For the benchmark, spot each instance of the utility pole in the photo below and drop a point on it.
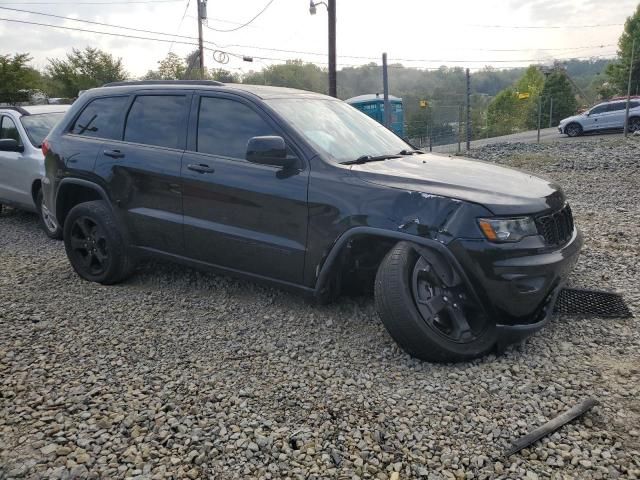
(539, 115)
(626, 115)
(385, 89)
(468, 110)
(333, 85)
(551, 112)
(202, 15)
(459, 128)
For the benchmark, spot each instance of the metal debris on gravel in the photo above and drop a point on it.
(181, 374)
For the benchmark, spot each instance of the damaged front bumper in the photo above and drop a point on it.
(518, 284)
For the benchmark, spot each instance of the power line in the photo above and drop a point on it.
(180, 24)
(546, 26)
(97, 23)
(358, 57)
(91, 3)
(244, 24)
(239, 55)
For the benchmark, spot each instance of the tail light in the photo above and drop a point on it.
(45, 147)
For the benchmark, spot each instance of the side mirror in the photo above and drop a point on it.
(268, 150)
(10, 145)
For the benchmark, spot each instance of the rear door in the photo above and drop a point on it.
(240, 215)
(142, 169)
(13, 185)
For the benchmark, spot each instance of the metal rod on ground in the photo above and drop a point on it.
(539, 115)
(385, 88)
(459, 128)
(468, 110)
(551, 112)
(333, 85)
(626, 115)
(202, 14)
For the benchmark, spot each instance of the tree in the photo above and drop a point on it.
(558, 87)
(618, 72)
(84, 69)
(294, 74)
(171, 67)
(503, 113)
(17, 79)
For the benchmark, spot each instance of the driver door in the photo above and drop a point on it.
(596, 119)
(14, 167)
(240, 215)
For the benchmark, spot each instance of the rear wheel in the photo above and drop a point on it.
(573, 130)
(47, 222)
(428, 318)
(95, 244)
(634, 124)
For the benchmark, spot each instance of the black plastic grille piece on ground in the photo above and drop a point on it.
(557, 227)
(577, 301)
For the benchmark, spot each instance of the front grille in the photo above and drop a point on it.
(557, 227)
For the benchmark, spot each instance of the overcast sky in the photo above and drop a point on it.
(452, 32)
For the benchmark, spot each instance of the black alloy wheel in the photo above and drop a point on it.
(89, 246)
(445, 309)
(634, 125)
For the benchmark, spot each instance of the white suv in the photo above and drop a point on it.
(605, 116)
(22, 130)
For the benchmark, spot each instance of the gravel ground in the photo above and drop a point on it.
(181, 374)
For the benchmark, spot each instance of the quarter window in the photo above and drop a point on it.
(225, 127)
(8, 130)
(102, 118)
(157, 120)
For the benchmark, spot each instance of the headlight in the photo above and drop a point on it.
(507, 229)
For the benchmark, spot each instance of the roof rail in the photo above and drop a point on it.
(210, 83)
(16, 108)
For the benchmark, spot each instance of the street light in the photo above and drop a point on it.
(331, 9)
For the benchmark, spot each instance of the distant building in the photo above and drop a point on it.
(373, 105)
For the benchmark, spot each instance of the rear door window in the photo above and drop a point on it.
(102, 118)
(158, 120)
(225, 127)
(618, 106)
(8, 130)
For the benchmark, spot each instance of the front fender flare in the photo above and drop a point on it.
(434, 251)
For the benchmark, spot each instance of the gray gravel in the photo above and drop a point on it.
(181, 374)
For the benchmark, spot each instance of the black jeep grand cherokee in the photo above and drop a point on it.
(306, 192)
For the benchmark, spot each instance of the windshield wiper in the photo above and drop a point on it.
(409, 152)
(369, 158)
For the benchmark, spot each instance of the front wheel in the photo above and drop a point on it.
(95, 244)
(634, 124)
(427, 318)
(47, 222)
(573, 130)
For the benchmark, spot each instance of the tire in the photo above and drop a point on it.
(95, 245)
(50, 227)
(573, 130)
(401, 316)
(634, 125)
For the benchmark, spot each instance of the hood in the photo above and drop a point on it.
(504, 191)
(571, 119)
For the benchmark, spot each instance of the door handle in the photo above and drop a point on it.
(113, 153)
(200, 168)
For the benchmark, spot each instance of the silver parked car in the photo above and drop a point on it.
(604, 116)
(22, 130)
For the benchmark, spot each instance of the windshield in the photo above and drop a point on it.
(337, 129)
(38, 126)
